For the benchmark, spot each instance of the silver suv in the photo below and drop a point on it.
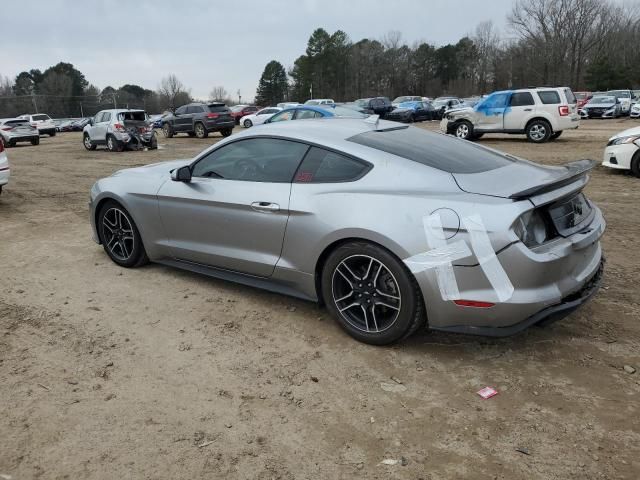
(119, 129)
(540, 113)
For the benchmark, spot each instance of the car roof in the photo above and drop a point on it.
(314, 108)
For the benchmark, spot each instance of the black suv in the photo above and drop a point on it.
(198, 120)
(378, 105)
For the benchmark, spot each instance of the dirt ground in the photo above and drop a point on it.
(157, 373)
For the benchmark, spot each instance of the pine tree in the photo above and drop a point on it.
(273, 85)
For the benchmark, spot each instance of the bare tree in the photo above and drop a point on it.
(219, 94)
(487, 42)
(172, 92)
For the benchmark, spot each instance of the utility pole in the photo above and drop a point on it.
(115, 105)
(239, 97)
(81, 111)
(35, 103)
(311, 91)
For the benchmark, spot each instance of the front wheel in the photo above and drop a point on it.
(120, 237)
(167, 130)
(538, 131)
(464, 130)
(88, 144)
(635, 165)
(226, 132)
(35, 141)
(52, 133)
(248, 124)
(371, 294)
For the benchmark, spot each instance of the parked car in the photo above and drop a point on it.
(582, 98)
(239, 111)
(625, 97)
(199, 120)
(15, 130)
(79, 125)
(42, 122)
(635, 110)
(5, 171)
(66, 125)
(288, 104)
(470, 101)
(410, 112)
(602, 106)
(542, 114)
(443, 104)
(623, 151)
(323, 197)
(320, 101)
(156, 120)
(375, 106)
(119, 129)
(259, 117)
(405, 98)
(306, 112)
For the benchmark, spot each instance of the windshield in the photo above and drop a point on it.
(363, 102)
(402, 99)
(581, 95)
(620, 93)
(407, 105)
(603, 100)
(443, 152)
(237, 108)
(37, 118)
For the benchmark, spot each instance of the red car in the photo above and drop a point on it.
(582, 98)
(240, 111)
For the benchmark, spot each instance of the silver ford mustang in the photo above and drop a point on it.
(391, 227)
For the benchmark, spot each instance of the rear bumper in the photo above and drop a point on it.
(215, 126)
(4, 176)
(544, 317)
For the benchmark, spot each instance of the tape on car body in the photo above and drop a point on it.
(440, 257)
(487, 258)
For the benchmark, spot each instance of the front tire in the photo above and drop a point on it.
(52, 133)
(635, 165)
(464, 130)
(88, 144)
(226, 132)
(538, 131)
(371, 294)
(167, 130)
(120, 237)
(248, 124)
(35, 141)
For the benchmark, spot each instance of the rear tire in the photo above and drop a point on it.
(371, 294)
(113, 145)
(226, 132)
(153, 144)
(52, 134)
(538, 131)
(167, 130)
(35, 141)
(635, 165)
(201, 130)
(120, 237)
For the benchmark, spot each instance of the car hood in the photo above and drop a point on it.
(522, 179)
(401, 110)
(154, 169)
(627, 133)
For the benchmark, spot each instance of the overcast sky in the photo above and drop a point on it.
(209, 43)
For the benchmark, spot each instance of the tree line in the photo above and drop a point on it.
(584, 44)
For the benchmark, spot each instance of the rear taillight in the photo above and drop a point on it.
(532, 229)
(6, 129)
(563, 110)
(1, 146)
(34, 124)
(118, 126)
(212, 115)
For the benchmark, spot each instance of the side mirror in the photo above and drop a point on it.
(90, 121)
(182, 174)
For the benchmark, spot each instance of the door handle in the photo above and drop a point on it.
(528, 109)
(265, 206)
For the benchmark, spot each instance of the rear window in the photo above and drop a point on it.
(37, 118)
(435, 150)
(549, 97)
(571, 98)
(139, 116)
(218, 108)
(16, 122)
(339, 111)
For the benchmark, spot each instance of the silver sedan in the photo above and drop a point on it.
(391, 227)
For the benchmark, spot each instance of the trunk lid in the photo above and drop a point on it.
(526, 180)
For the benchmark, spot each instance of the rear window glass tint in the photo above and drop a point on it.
(40, 117)
(549, 97)
(521, 99)
(435, 150)
(571, 98)
(139, 116)
(324, 166)
(16, 122)
(218, 108)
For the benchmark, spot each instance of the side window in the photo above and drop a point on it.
(498, 100)
(98, 117)
(306, 114)
(521, 99)
(323, 166)
(106, 117)
(253, 160)
(283, 116)
(181, 111)
(549, 97)
(195, 109)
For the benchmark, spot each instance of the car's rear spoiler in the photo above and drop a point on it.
(575, 170)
